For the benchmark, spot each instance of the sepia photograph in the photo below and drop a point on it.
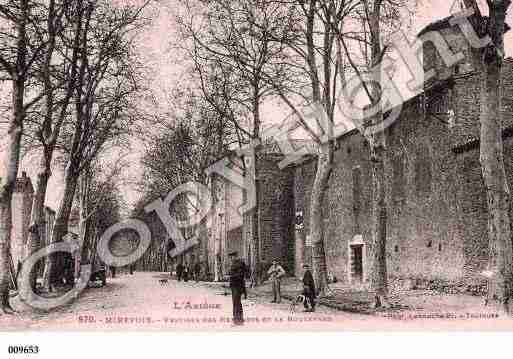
(254, 166)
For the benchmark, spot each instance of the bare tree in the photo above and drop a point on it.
(232, 42)
(192, 137)
(373, 21)
(488, 62)
(17, 55)
(97, 184)
(63, 26)
(105, 98)
(311, 49)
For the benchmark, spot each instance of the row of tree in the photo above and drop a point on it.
(244, 54)
(74, 80)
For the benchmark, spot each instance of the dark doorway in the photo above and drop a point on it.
(357, 263)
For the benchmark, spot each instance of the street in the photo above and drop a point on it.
(141, 302)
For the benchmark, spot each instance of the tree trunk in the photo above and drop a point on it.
(379, 281)
(55, 261)
(256, 235)
(12, 164)
(497, 190)
(488, 62)
(379, 273)
(12, 159)
(38, 220)
(324, 162)
(316, 218)
(5, 241)
(84, 238)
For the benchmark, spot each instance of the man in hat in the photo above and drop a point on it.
(197, 271)
(308, 288)
(275, 273)
(179, 271)
(237, 285)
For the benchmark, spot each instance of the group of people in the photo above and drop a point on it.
(239, 271)
(276, 272)
(185, 272)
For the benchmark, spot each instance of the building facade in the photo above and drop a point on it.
(21, 209)
(23, 196)
(436, 202)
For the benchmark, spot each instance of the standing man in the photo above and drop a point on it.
(237, 285)
(275, 273)
(179, 271)
(186, 272)
(308, 288)
(197, 271)
(246, 275)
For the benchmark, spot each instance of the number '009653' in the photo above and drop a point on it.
(23, 349)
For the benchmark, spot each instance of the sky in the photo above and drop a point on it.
(156, 50)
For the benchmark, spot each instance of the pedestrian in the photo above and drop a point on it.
(186, 272)
(246, 275)
(197, 271)
(237, 285)
(69, 269)
(276, 272)
(179, 271)
(308, 289)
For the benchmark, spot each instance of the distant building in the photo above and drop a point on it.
(224, 224)
(21, 211)
(23, 196)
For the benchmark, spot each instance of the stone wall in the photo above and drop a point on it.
(276, 212)
(436, 204)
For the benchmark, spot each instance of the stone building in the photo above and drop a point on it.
(231, 227)
(21, 216)
(224, 224)
(21, 210)
(272, 224)
(436, 203)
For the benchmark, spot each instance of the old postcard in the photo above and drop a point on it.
(244, 165)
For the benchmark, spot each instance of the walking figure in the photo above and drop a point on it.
(197, 271)
(308, 289)
(237, 286)
(186, 273)
(179, 271)
(276, 272)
